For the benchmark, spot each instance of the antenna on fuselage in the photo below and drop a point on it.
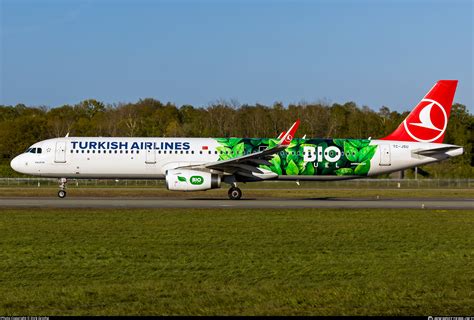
(67, 135)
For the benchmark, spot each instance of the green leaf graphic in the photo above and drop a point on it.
(276, 165)
(355, 143)
(226, 153)
(256, 142)
(248, 148)
(238, 149)
(366, 153)
(276, 160)
(273, 142)
(339, 142)
(234, 141)
(291, 168)
(301, 165)
(341, 163)
(182, 179)
(344, 172)
(309, 170)
(222, 140)
(292, 157)
(350, 152)
(293, 143)
(327, 167)
(323, 145)
(362, 168)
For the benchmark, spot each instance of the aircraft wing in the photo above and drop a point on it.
(247, 165)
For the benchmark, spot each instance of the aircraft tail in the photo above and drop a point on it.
(429, 119)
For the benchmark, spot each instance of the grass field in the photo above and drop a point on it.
(242, 262)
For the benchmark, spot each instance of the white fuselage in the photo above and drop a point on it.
(150, 158)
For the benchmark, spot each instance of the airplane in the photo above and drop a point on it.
(198, 164)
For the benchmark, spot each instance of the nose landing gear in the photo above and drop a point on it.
(62, 187)
(234, 193)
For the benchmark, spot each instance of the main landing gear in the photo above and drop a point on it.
(62, 187)
(234, 193)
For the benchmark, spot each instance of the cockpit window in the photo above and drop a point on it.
(34, 150)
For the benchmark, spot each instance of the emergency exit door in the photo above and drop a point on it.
(60, 153)
(385, 155)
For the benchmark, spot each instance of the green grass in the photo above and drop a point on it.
(240, 262)
(299, 193)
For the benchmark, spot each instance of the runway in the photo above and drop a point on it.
(166, 202)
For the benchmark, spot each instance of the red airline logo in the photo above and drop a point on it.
(429, 124)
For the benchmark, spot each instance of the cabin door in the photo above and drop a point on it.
(385, 155)
(150, 156)
(60, 153)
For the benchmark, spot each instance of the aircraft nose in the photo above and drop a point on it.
(16, 164)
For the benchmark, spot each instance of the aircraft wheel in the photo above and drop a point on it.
(234, 193)
(62, 194)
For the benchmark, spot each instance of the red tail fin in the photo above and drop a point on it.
(428, 121)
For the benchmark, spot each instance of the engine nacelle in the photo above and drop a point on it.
(191, 180)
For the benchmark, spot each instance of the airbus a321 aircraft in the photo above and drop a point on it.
(196, 164)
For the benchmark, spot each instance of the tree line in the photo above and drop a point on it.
(21, 125)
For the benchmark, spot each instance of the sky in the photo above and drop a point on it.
(375, 53)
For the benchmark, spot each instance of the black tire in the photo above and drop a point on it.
(234, 193)
(62, 194)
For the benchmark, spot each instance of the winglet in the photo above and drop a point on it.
(281, 135)
(288, 136)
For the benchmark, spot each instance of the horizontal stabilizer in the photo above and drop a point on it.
(430, 152)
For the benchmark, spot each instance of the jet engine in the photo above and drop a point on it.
(191, 180)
